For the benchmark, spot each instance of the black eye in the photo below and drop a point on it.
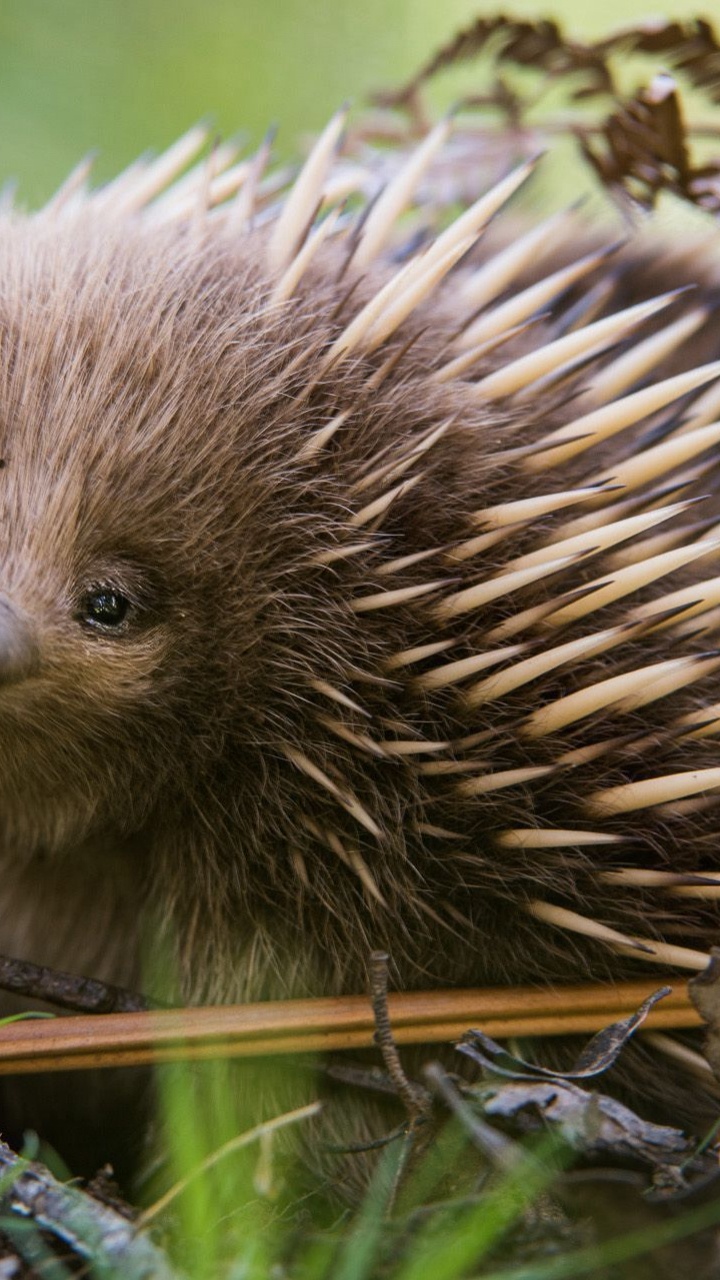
(104, 607)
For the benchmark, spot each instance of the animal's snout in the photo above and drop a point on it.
(19, 652)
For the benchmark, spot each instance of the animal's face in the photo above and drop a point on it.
(168, 608)
(87, 638)
(114, 577)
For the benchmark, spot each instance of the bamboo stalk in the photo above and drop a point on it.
(313, 1026)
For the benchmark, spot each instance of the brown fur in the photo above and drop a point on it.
(153, 409)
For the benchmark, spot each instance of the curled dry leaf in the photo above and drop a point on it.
(598, 1126)
(598, 1055)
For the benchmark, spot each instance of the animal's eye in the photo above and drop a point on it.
(104, 607)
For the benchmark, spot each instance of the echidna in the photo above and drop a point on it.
(353, 595)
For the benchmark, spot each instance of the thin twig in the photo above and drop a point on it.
(317, 1026)
(416, 1098)
(68, 990)
(30, 1193)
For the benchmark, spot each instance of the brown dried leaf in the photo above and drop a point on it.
(598, 1055)
(541, 45)
(638, 149)
(645, 150)
(690, 48)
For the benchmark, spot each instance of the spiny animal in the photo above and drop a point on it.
(353, 595)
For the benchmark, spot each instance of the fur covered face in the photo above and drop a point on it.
(168, 601)
(128, 637)
(178, 645)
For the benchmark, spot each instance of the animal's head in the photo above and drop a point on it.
(179, 565)
(142, 466)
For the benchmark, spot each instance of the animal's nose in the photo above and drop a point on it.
(19, 655)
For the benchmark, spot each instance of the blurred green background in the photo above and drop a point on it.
(122, 76)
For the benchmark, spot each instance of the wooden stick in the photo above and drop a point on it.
(313, 1026)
